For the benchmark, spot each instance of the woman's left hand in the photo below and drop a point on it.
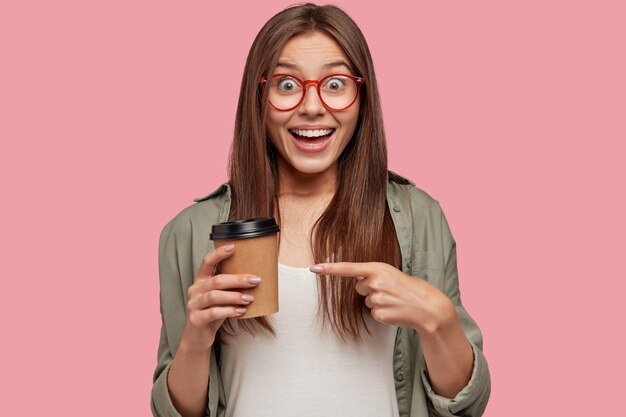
(394, 297)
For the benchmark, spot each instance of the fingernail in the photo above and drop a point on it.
(229, 248)
(316, 268)
(247, 297)
(240, 310)
(254, 280)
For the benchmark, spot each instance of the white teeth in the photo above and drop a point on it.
(312, 145)
(312, 133)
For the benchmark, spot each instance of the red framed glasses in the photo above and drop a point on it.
(336, 91)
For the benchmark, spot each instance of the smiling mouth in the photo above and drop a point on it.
(312, 138)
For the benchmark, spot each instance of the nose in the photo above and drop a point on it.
(311, 103)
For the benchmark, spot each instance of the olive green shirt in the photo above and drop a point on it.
(428, 252)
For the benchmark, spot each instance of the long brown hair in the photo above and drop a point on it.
(356, 226)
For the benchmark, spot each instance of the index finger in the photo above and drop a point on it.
(345, 269)
(211, 259)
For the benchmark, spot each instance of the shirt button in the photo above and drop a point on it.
(400, 377)
(396, 209)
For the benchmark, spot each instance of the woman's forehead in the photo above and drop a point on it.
(312, 52)
(339, 64)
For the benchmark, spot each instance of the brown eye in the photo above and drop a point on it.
(335, 84)
(287, 85)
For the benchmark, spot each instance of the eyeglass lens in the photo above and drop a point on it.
(337, 91)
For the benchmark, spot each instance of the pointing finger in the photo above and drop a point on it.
(345, 269)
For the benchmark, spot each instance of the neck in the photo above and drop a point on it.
(298, 184)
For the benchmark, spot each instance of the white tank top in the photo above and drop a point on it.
(304, 372)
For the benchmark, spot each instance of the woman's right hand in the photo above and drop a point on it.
(211, 300)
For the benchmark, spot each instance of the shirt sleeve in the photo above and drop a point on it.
(176, 274)
(171, 300)
(161, 403)
(472, 400)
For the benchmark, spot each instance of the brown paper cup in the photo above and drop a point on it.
(256, 255)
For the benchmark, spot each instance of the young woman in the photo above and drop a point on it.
(370, 321)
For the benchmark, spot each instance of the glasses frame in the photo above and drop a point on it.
(317, 83)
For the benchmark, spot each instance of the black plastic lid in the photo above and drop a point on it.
(243, 229)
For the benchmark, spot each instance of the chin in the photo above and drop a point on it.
(314, 167)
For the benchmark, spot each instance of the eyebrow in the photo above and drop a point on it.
(326, 66)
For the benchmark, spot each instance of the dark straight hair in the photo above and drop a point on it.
(356, 226)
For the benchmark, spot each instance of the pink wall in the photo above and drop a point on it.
(114, 116)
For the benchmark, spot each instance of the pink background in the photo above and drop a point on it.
(115, 115)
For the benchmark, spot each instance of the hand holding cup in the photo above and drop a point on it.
(213, 298)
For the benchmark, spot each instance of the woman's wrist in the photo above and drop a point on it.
(191, 347)
(441, 319)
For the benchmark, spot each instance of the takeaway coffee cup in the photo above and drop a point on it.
(256, 253)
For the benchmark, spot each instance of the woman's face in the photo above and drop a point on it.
(305, 56)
